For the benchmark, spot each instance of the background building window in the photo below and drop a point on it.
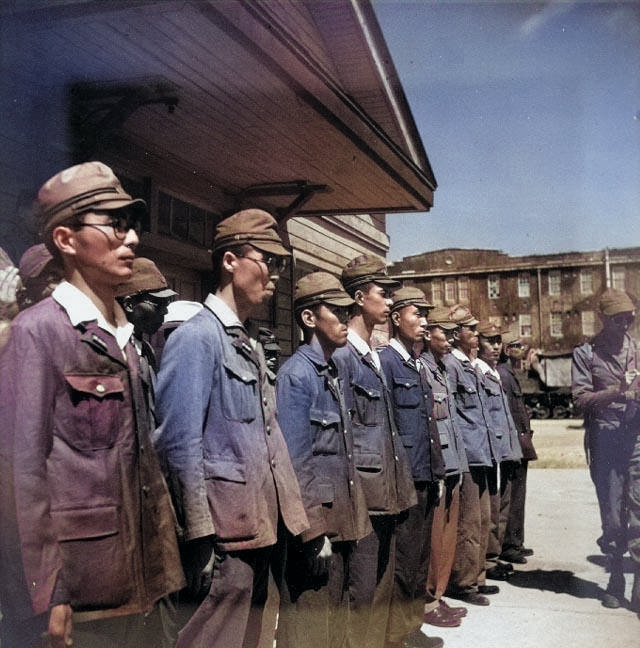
(524, 289)
(524, 324)
(436, 292)
(493, 286)
(184, 221)
(450, 291)
(586, 282)
(554, 282)
(588, 323)
(617, 278)
(463, 290)
(555, 324)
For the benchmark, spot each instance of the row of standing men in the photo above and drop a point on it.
(381, 480)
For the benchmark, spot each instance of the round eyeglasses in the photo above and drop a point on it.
(121, 222)
(275, 264)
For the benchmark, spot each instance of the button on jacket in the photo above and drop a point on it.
(380, 456)
(470, 414)
(500, 422)
(512, 389)
(218, 439)
(412, 403)
(85, 515)
(316, 426)
(444, 412)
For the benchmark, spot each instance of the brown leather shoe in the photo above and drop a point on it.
(441, 619)
(452, 610)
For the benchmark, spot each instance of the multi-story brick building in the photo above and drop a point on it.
(552, 299)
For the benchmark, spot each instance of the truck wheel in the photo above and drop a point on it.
(560, 412)
(541, 412)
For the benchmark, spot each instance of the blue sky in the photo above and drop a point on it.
(530, 116)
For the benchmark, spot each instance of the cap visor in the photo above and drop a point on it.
(272, 247)
(165, 293)
(387, 283)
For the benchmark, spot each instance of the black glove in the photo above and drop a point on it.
(198, 559)
(317, 553)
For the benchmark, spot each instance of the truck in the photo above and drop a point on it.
(545, 378)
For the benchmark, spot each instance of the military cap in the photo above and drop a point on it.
(34, 261)
(510, 336)
(488, 329)
(613, 302)
(319, 288)
(409, 296)
(439, 316)
(364, 269)
(255, 227)
(462, 316)
(268, 339)
(80, 188)
(145, 277)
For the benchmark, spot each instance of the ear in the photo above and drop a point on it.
(64, 238)
(308, 318)
(456, 334)
(358, 297)
(229, 261)
(395, 318)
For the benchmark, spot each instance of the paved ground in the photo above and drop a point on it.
(554, 600)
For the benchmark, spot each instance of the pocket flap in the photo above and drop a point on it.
(370, 392)
(82, 524)
(405, 382)
(369, 461)
(238, 373)
(228, 470)
(325, 492)
(323, 418)
(99, 385)
(439, 397)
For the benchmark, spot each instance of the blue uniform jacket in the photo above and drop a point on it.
(412, 403)
(470, 415)
(226, 461)
(444, 413)
(316, 426)
(380, 457)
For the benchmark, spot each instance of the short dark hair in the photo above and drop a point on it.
(217, 256)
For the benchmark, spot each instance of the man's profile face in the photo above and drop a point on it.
(410, 324)
(438, 342)
(376, 304)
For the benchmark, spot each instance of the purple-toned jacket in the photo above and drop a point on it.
(85, 515)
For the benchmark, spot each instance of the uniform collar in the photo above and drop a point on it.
(222, 311)
(400, 348)
(82, 310)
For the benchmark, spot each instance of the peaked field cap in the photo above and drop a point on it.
(510, 336)
(34, 261)
(439, 316)
(613, 302)
(253, 226)
(145, 278)
(409, 296)
(319, 288)
(364, 269)
(78, 189)
(488, 329)
(462, 316)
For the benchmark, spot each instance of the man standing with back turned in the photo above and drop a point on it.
(220, 444)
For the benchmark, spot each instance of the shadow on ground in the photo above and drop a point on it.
(559, 581)
(603, 561)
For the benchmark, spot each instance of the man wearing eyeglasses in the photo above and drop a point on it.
(604, 386)
(88, 545)
(225, 458)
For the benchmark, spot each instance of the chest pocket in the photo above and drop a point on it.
(326, 432)
(440, 406)
(467, 396)
(494, 398)
(367, 404)
(406, 392)
(239, 394)
(97, 401)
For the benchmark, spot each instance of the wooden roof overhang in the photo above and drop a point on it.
(292, 106)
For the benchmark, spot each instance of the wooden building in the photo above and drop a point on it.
(551, 299)
(207, 106)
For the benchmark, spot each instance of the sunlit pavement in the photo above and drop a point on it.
(554, 600)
